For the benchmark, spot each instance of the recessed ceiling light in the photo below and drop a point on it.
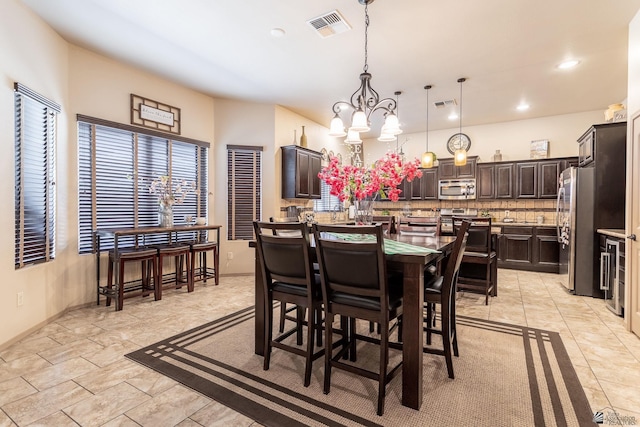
(453, 116)
(522, 107)
(278, 32)
(568, 64)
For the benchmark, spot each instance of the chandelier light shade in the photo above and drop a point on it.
(365, 101)
(353, 137)
(428, 157)
(460, 155)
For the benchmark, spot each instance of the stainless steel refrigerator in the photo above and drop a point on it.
(575, 226)
(589, 198)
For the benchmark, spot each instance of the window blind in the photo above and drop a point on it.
(327, 202)
(35, 139)
(117, 164)
(244, 191)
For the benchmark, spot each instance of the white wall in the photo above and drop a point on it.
(511, 138)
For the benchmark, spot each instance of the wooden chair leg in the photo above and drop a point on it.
(120, 285)
(216, 265)
(109, 280)
(328, 351)
(283, 313)
(159, 276)
(268, 309)
(311, 329)
(157, 281)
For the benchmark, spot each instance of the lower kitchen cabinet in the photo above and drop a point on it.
(531, 248)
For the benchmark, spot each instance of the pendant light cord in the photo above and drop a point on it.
(427, 87)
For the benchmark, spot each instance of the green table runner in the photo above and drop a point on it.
(391, 247)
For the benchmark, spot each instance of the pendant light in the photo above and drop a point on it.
(428, 157)
(460, 155)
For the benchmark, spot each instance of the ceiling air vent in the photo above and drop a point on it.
(329, 24)
(444, 104)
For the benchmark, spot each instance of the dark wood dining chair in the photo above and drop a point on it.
(354, 281)
(388, 222)
(419, 226)
(479, 269)
(441, 290)
(288, 277)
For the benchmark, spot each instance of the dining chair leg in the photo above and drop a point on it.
(352, 340)
(299, 322)
(109, 281)
(157, 282)
(328, 351)
(216, 265)
(268, 309)
(446, 341)
(311, 331)
(318, 328)
(283, 313)
(382, 376)
(120, 301)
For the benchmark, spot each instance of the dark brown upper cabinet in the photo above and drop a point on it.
(447, 170)
(300, 168)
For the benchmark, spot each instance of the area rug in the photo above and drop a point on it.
(506, 375)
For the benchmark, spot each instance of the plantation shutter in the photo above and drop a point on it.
(244, 191)
(35, 139)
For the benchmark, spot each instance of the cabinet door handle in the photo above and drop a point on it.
(631, 237)
(604, 271)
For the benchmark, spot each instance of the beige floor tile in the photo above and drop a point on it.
(70, 351)
(14, 389)
(106, 405)
(111, 353)
(151, 382)
(110, 375)
(61, 372)
(626, 398)
(45, 403)
(22, 366)
(57, 419)
(121, 421)
(217, 414)
(168, 408)
(5, 421)
(28, 348)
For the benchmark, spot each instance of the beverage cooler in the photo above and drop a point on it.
(612, 274)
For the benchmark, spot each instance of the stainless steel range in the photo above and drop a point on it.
(446, 217)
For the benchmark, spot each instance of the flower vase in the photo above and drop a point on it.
(165, 215)
(364, 212)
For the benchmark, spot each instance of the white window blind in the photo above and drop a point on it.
(35, 140)
(244, 191)
(117, 164)
(327, 202)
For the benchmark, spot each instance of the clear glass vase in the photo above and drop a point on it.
(165, 215)
(364, 212)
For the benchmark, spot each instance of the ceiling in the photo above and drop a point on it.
(508, 51)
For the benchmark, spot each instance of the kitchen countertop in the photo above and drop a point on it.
(613, 232)
(524, 224)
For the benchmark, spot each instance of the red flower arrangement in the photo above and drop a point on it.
(382, 178)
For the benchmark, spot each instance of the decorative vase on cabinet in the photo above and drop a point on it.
(165, 215)
(303, 139)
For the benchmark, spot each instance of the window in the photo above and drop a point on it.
(327, 202)
(117, 163)
(35, 132)
(244, 190)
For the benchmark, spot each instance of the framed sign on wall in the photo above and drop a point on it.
(155, 115)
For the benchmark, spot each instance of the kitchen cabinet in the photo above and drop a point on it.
(425, 187)
(300, 168)
(504, 184)
(548, 174)
(447, 170)
(585, 149)
(485, 181)
(526, 180)
(533, 248)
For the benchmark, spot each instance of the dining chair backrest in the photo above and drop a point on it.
(352, 263)
(455, 258)
(285, 232)
(479, 239)
(388, 222)
(284, 258)
(419, 226)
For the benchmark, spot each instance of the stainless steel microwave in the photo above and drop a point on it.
(457, 189)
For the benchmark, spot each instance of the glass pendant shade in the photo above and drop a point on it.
(392, 125)
(359, 122)
(428, 159)
(353, 137)
(386, 137)
(460, 157)
(337, 127)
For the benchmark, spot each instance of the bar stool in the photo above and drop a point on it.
(142, 255)
(177, 251)
(200, 249)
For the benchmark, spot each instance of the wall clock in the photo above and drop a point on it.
(458, 141)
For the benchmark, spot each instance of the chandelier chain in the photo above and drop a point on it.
(366, 37)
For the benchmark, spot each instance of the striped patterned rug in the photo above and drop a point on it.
(506, 375)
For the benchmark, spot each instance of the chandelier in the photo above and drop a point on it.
(460, 155)
(365, 101)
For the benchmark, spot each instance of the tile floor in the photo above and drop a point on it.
(73, 371)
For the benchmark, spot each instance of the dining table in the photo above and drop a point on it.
(410, 255)
(195, 232)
